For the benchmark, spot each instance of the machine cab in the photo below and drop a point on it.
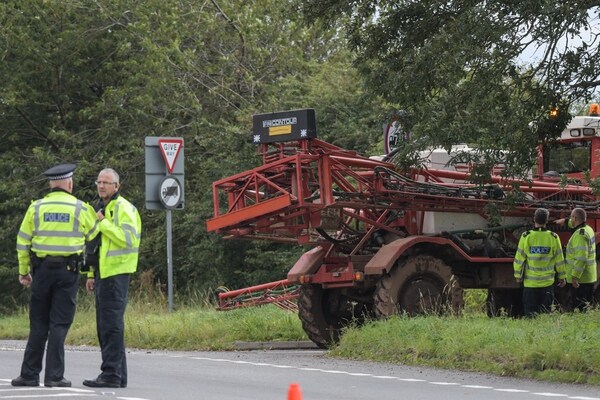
(576, 152)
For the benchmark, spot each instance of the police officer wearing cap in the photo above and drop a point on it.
(538, 259)
(50, 244)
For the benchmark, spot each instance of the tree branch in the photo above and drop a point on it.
(243, 42)
(36, 129)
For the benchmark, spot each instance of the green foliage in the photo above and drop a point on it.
(595, 185)
(349, 115)
(86, 82)
(12, 294)
(475, 301)
(464, 71)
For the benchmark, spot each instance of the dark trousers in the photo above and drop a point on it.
(111, 301)
(51, 311)
(537, 300)
(582, 296)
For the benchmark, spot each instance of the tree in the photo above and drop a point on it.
(86, 81)
(458, 69)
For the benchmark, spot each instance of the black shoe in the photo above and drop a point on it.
(62, 383)
(98, 382)
(123, 385)
(20, 381)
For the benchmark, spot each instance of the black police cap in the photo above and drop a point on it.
(58, 172)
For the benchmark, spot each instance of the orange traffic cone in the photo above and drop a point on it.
(294, 392)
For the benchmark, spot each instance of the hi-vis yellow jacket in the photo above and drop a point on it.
(121, 231)
(56, 225)
(581, 256)
(539, 257)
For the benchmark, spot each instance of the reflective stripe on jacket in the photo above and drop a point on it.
(539, 257)
(121, 233)
(58, 225)
(581, 256)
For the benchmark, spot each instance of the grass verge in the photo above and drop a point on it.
(151, 327)
(553, 347)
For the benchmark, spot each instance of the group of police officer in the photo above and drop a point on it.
(54, 237)
(540, 260)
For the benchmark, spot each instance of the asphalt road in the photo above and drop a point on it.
(268, 374)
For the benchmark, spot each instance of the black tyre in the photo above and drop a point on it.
(324, 313)
(420, 284)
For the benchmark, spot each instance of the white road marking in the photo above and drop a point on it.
(584, 398)
(78, 390)
(476, 387)
(38, 396)
(43, 388)
(130, 398)
(42, 392)
(507, 390)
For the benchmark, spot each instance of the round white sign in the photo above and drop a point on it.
(170, 192)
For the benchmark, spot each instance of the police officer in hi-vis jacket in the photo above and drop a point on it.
(538, 259)
(111, 266)
(580, 259)
(50, 245)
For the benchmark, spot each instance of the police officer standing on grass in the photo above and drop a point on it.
(111, 267)
(538, 259)
(50, 246)
(580, 259)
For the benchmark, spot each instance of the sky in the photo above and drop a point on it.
(535, 52)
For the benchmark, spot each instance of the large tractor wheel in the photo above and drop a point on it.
(420, 284)
(325, 312)
(504, 302)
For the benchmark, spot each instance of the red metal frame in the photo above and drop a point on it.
(285, 199)
(312, 192)
(281, 293)
(309, 181)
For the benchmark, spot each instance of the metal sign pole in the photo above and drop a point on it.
(165, 187)
(169, 261)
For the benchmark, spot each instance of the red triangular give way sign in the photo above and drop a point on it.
(170, 149)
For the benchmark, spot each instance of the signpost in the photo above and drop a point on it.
(395, 133)
(164, 187)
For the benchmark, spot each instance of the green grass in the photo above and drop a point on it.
(553, 347)
(151, 327)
